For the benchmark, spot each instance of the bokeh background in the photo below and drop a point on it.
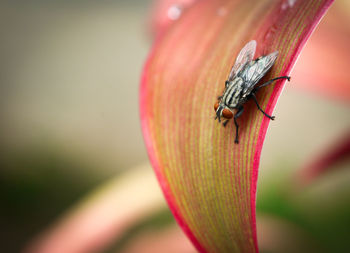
(69, 78)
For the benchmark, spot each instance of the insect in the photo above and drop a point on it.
(241, 84)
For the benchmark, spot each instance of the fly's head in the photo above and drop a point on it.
(221, 110)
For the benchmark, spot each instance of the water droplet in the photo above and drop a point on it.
(288, 4)
(291, 2)
(272, 30)
(267, 35)
(222, 11)
(174, 12)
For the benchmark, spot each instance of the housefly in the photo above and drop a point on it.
(241, 84)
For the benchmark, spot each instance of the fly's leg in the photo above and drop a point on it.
(257, 104)
(225, 123)
(238, 113)
(220, 97)
(271, 81)
(263, 85)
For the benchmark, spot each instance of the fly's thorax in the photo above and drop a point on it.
(233, 93)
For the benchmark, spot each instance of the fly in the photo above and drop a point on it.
(241, 84)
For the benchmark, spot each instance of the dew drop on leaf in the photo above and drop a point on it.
(174, 12)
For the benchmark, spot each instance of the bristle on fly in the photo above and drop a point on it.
(218, 113)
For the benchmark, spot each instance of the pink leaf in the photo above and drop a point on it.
(210, 182)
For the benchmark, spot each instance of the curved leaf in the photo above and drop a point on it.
(210, 182)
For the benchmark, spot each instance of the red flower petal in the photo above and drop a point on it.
(210, 182)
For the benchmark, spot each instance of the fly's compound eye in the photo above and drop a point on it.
(227, 114)
(216, 106)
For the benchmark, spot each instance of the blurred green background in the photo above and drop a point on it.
(69, 75)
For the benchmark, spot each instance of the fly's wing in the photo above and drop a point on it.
(256, 70)
(246, 55)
